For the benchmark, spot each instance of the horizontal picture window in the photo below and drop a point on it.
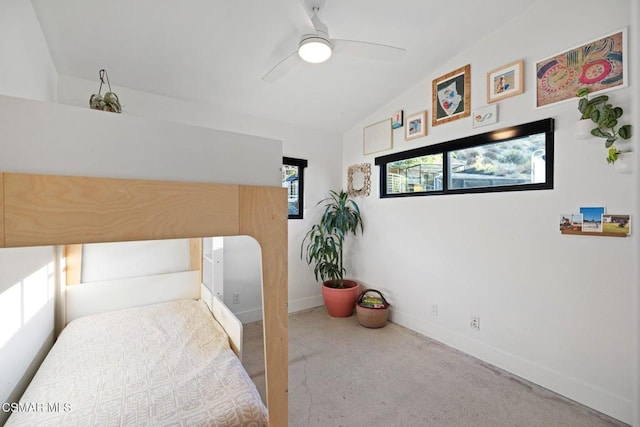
(511, 159)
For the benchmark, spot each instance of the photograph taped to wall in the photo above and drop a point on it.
(598, 65)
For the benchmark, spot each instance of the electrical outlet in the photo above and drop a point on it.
(236, 298)
(475, 323)
(434, 310)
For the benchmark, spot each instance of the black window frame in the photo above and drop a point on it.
(545, 126)
(301, 164)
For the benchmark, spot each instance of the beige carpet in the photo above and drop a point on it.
(341, 374)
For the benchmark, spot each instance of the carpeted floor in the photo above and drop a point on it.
(341, 374)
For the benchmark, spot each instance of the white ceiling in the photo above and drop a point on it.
(216, 52)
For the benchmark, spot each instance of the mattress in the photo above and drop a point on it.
(165, 364)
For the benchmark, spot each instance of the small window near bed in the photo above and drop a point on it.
(293, 181)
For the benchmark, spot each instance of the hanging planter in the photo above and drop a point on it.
(108, 102)
(603, 117)
(583, 129)
(624, 163)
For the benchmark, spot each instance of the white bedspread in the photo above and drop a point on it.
(165, 364)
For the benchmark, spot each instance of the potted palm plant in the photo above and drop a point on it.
(323, 246)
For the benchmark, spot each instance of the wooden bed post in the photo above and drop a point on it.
(195, 255)
(73, 264)
(263, 215)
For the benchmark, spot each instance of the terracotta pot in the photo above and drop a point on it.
(341, 302)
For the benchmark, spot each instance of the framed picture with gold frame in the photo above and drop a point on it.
(451, 96)
(505, 81)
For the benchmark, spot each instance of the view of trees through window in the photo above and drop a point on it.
(513, 162)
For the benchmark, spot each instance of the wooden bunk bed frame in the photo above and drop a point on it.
(43, 210)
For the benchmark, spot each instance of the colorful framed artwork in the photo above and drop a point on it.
(415, 126)
(592, 218)
(505, 82)
(451, 96)
(485, 116)
(396, 119)
(377, 137)
(598, 65)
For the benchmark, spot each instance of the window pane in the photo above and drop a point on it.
(514, 162)
(291, 181)
(416, 175)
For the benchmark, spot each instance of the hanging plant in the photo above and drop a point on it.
(606, 121)
(108, 102)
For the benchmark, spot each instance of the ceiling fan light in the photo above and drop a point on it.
(314, 50)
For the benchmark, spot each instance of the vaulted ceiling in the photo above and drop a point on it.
(216, 52)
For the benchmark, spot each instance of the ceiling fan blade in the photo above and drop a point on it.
(379, 52)
(299, 14)
(282, 67)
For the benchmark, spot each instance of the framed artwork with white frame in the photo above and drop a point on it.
(600, 65)
(486, 115)
(377, 137)
(415, 126)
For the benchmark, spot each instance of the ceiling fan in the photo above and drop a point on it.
(315, 46)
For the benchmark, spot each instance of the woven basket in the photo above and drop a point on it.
(372, 317)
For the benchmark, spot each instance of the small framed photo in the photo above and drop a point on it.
(592, 218)
(571, 222)
(377, 137)
(451, 96)
(397, 119)
(616, 224)
(505, 81)
(415, 126)
(485, 115)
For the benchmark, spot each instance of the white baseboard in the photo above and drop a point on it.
(575, 389)
(254, 315)
(305, 304)
(249, 316)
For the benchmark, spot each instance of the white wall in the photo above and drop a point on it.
(634, 39)
(120, 260)
(58, 139)
(26, 317)
(26, 295)
(243, 276)
(554, 309)
(27, 70)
